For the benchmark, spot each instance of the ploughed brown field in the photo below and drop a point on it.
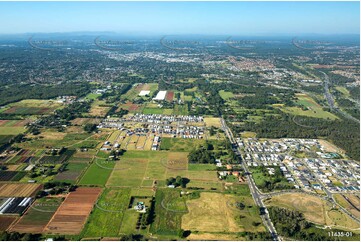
(73, 212)
(170, 96)
(18, 190)
(6, 221)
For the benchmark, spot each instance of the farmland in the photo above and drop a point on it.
(163, 144)
(12, 127)
(72, 172)
(73, 212)
(5, 222)
(176, 144)
(18, 189)
(219, 215)
(37, 216)
(97, 173)
(32, 107)
(107, 217)
(141, 168)
(167, 222)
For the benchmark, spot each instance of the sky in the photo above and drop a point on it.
(236, 18)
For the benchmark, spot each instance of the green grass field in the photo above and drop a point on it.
(313, 108)
(98, 173)
(92, 96)
(107, 216)
(135, 166)
(178, 144)
(11, 130)
(166, 222)
(343, 90)
(226, 95)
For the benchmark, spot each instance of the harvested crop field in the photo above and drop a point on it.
(74, 211)
(18, 190)
(209, 213)
(216, 122)
(6, 221)
(312, 207)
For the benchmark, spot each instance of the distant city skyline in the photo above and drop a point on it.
(218, 18)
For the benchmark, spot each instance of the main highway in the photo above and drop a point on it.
(256, 194)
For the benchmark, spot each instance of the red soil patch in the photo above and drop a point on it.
(3, 122)
(10, 110)
(21, 123)
(170, 96)
(74, 211)
(130, 106)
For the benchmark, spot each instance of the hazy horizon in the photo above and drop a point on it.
(179, 18)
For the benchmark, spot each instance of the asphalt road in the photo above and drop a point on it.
(256, 194)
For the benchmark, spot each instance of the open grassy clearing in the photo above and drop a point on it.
(179, 144)
(12, 127)
(313, 108)
(348, 203)
(152, 108)
(215, 122)
(215, 212)
(92, 96)
(226, 95)
(142, 168)
(99, 108)
(314, 209)
(343, 90)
